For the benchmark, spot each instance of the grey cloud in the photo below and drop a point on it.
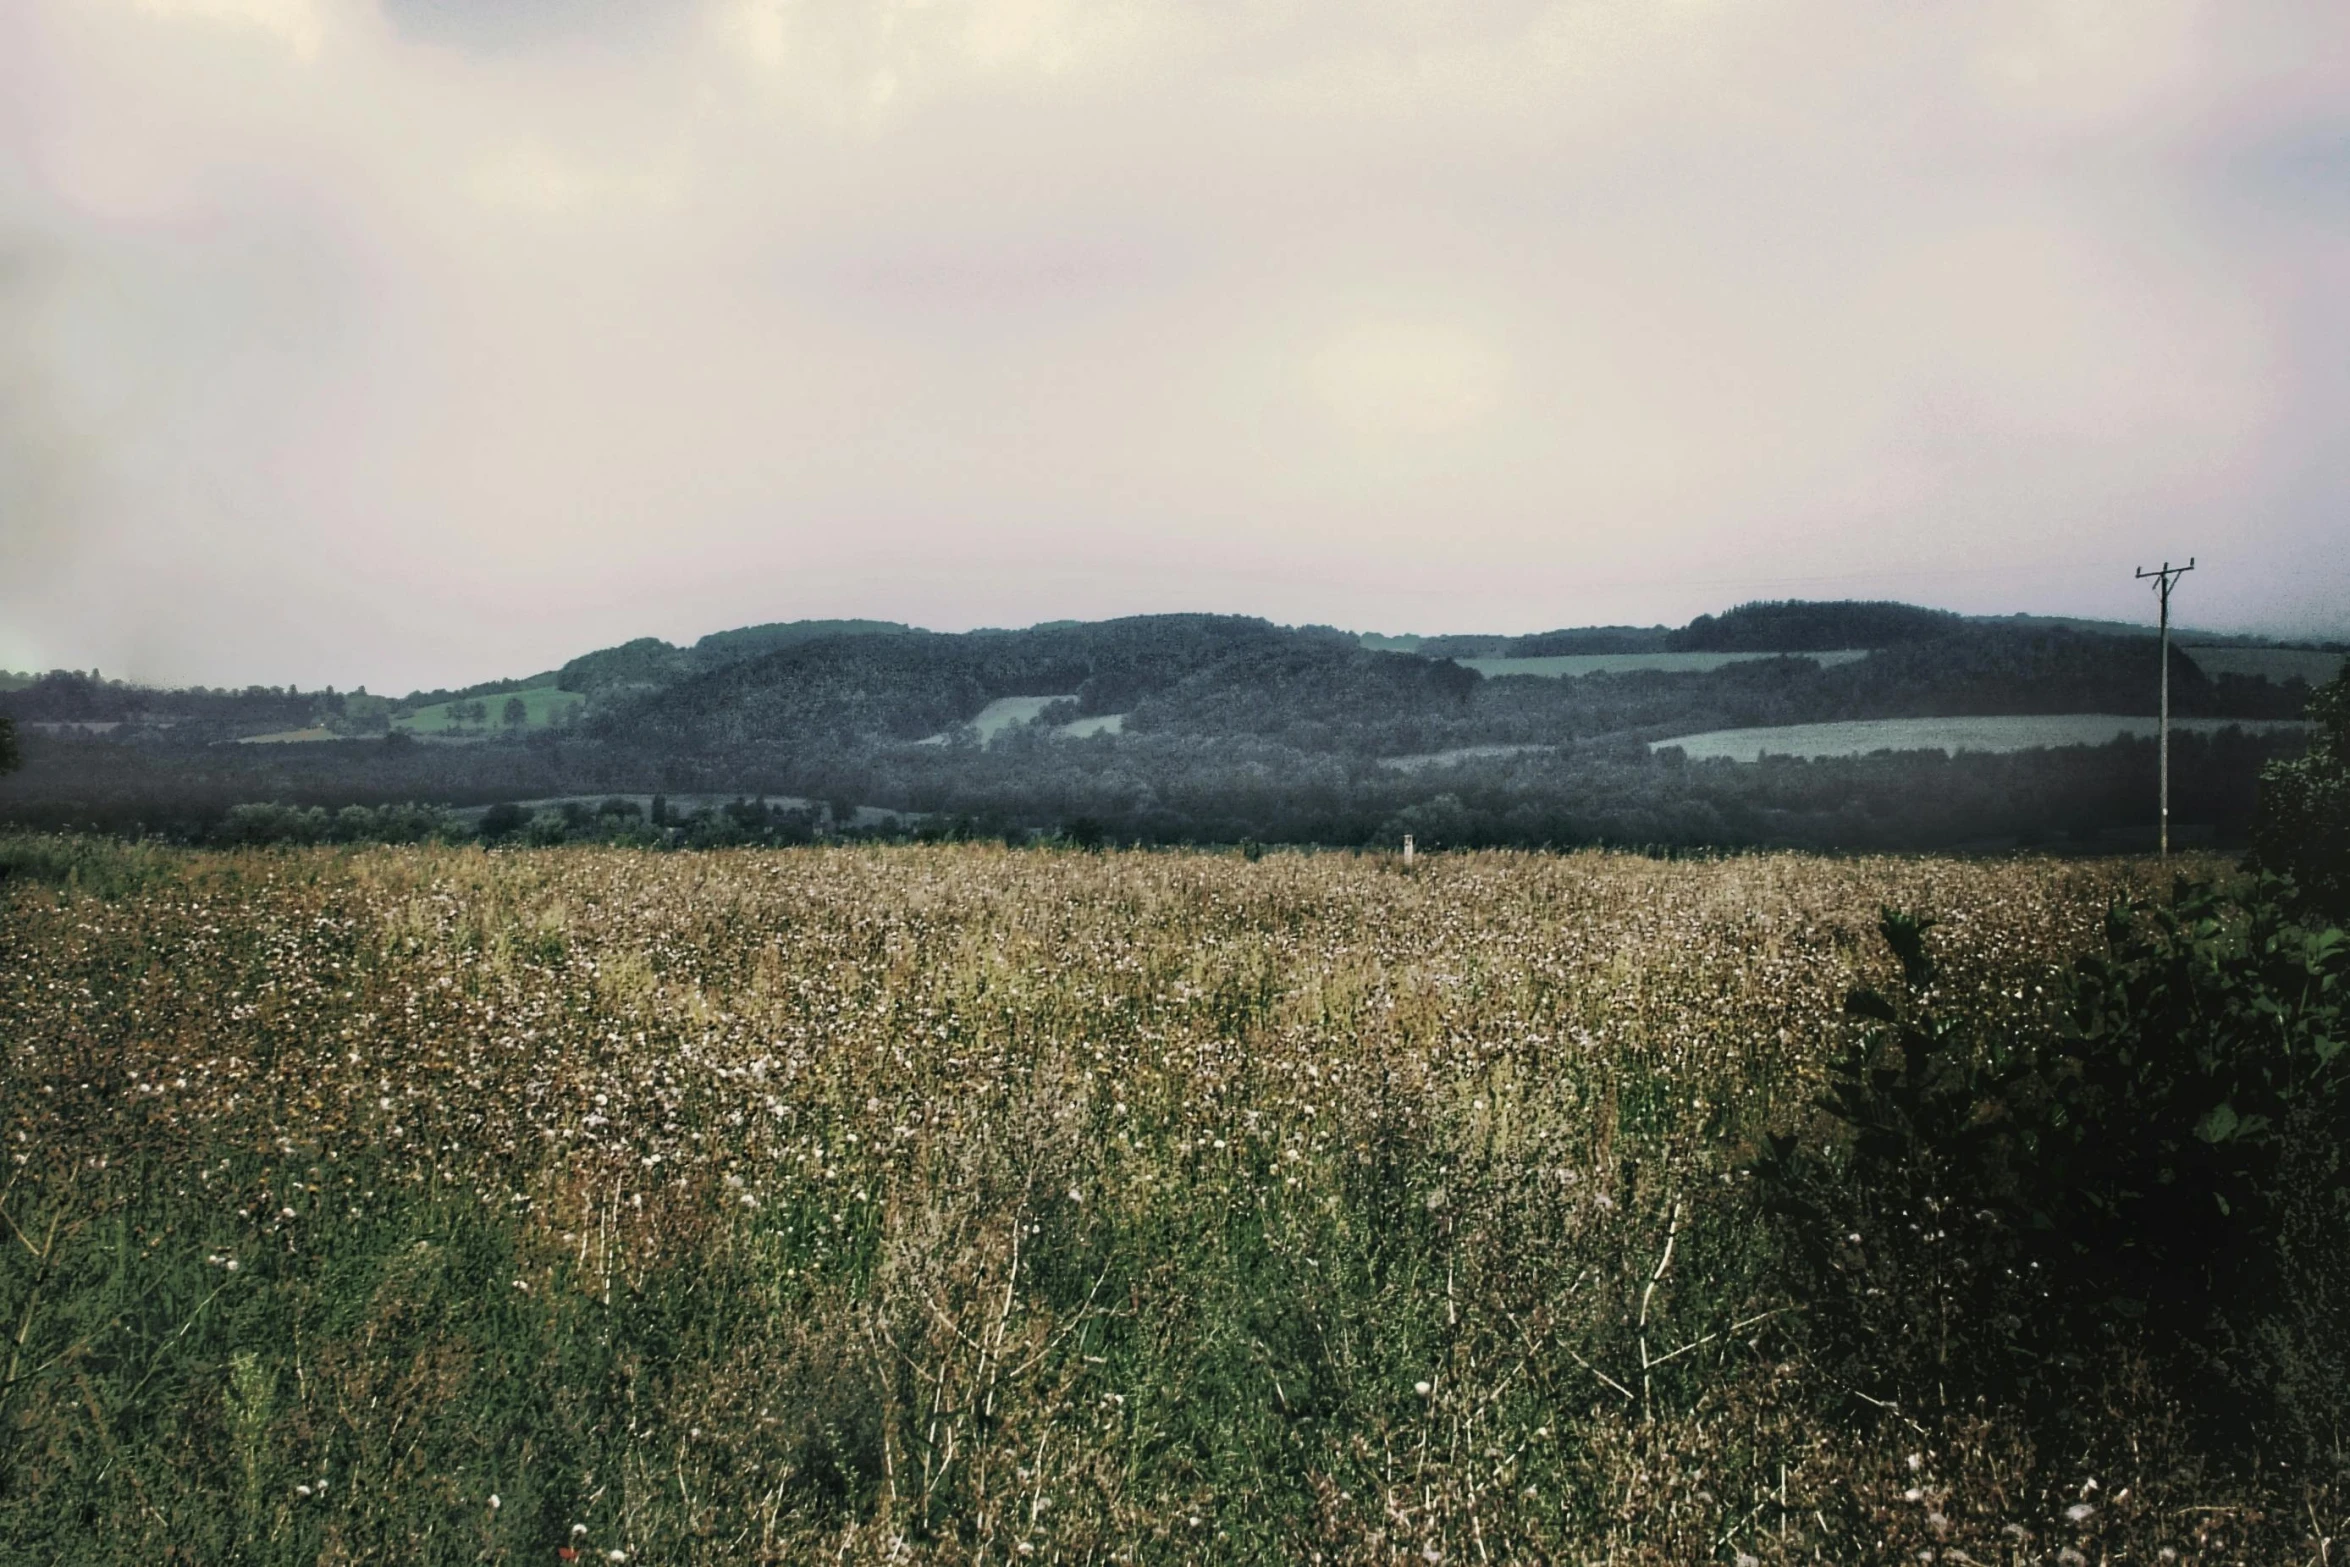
(592, 321)
(496, 26)
(41, 454)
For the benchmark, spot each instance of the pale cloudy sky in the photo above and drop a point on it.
(415, 341)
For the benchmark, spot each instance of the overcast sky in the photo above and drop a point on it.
(409, 342)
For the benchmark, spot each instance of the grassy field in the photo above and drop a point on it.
(1006, 713)
(2279, 664)
(1465, 753)
(1862, 736)
(546, 705)
(313, 735)
(1002, 714)
(965, 1204)
(1570, 664)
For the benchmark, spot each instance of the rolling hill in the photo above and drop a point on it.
(1189, 727)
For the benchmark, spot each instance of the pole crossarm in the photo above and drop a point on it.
(2165, 577)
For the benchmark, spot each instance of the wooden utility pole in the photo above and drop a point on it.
(2164, 579)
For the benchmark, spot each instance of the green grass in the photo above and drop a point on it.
(1860, 737)
(901, 1204)
(546, 705)
(312, 735)
(1573, 664)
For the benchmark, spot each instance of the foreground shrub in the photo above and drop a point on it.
(2303, 830)
(2158, 1173)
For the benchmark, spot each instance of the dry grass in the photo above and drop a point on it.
(968, 1204)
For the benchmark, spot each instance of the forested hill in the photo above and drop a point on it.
(1320, 691)
(847, 691)
(649, 663)
(1215, 727)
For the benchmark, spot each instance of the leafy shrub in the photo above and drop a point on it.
(1904, 1238)
(101, 867)
(2159, 1172)
(283, 824)
(2304, 826)
(503, 820)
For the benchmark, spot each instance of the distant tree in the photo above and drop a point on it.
(503, 820)
(516, 712)
(9, 758)
(1457, 682)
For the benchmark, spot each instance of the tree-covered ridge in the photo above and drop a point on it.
(1322, 693)
(848, 691)
(649, 663)
(1227, 728)
(1800, 626)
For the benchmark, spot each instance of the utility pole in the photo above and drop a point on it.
(2164, 579)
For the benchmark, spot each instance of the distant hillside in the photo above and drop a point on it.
(1797, 626)
(1568, 642)
(1215, 679)
(725, 647)
(2116, 628)
(846, 691)
(648, 663)
(1601, 639)
(1201, 727)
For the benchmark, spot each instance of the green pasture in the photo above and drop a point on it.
(2018, 732)
(1573, 664)
(2279, 664)
(1006, 713)
(546, 706)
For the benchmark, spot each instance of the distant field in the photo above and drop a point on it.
(546, 705)
(292, 736)
(2279, 664)
(1009, 712)
(1570, 664)
(1860, 737)
(1466, 753)
(1005, 712)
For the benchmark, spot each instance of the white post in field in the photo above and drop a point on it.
(1407, 849)
(2164, 579)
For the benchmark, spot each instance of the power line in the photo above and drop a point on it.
(2165, 578)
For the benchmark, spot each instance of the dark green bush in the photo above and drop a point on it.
(2157, 1175)
(1904, 1232)
(2303, 829)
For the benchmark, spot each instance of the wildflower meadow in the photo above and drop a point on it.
(972, 1204)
